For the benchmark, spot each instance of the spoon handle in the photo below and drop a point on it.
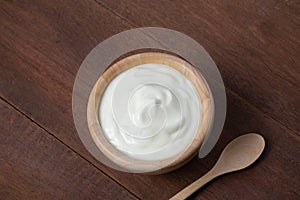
(189, 190)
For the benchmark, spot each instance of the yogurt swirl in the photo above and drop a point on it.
(150, 112)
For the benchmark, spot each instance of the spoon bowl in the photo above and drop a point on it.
(240, 153)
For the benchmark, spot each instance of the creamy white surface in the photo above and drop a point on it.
(150, 112)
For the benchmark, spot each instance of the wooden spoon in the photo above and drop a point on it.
(237, 155)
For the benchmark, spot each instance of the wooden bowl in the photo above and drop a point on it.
(143, 166)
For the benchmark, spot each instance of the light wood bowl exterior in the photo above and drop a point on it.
(121, 159)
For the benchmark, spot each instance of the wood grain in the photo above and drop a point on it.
(35, 165)
(42, 46)
(255, 44)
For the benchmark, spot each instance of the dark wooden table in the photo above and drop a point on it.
(255, 44)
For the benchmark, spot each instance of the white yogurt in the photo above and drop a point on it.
(150, 112)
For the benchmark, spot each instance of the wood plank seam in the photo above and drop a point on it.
(135, 26)
(131, 23)
(227, 89)
(33, 121)
(263, 113)
(67, 146)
